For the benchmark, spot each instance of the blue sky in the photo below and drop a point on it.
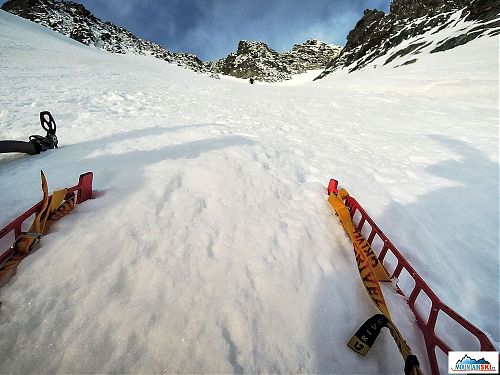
(212, 28)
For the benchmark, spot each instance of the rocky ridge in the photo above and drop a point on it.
(402, 33)
(75, 21)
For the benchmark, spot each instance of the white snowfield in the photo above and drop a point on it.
(210, 246)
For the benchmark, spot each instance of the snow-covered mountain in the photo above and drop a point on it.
(415, 25)
(399, 36)
(257, 60)
(253, 59)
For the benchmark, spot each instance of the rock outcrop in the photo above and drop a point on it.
(254, 60)
(311, 55)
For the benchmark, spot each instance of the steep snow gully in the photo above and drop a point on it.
(211, 246)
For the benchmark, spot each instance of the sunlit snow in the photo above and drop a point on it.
(210, 246)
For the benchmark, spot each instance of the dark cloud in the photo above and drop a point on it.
(212, 29)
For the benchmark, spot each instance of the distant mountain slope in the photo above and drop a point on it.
(423, 22)
(253, 59)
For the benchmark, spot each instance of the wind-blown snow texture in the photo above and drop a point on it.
(210, 246)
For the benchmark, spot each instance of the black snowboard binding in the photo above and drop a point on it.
(37, 143)
(50, 140)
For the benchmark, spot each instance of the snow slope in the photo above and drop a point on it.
(210, 246)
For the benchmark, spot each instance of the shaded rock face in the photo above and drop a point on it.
(258, 61)
(410, 9)
(377, 33)
(75, 21)
(483, 10)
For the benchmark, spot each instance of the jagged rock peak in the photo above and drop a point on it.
(254, 60)
(367, 29)
(258, 61)
(252, 47)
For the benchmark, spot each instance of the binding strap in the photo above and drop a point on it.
(371, 272)
(53, 208)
